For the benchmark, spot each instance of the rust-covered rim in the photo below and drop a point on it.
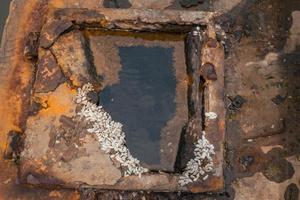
(204, 95)
(62, 20)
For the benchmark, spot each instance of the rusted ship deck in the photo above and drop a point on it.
(225, 60)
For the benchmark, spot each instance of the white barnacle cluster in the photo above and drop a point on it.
(211, 115)
(201, 164)
(108, 132)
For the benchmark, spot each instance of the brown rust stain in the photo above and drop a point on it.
(56, 103)
(10, 190)
(48, 74)
(35, 169)
(16, 75)
(212, 184)
(15, 86)
(91, 4)
(52, 30)
(162, 36)
(19, 82)
(57, 4)
(72, 55)
(16, 79)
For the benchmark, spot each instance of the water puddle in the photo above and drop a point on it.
(144, 99)
(144, 88)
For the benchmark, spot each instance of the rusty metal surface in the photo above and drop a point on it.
(253, 30)
(52, 100)
(61, 20)
(16, 76)
(40, 165)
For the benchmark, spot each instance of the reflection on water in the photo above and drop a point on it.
(4, 5)
(144, 99)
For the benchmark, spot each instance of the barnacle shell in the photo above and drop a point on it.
(200, 165)
(109, 133)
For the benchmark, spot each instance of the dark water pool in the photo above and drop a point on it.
(144, 99)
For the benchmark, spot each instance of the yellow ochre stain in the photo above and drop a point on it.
(59, 102)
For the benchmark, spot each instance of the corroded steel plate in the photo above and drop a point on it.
(59, 151)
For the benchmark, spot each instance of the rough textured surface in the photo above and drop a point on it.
(192, 133)
(215, 128)
(266, 74)
(279, 170)
(54, 29)
(64, 20)
(71, 54)
(14, 91)
(65, 155)
(40, 126)
(224, 5)
(263, 51)
(189, 3)
(31, 46)
(291, 192)
(96, 167)
(25, 15)
(116, 4)
(48, 74)
(36, 126)
(151, 4)
(149, 19)
(90, 4)
(62, 147)
(35, 170)
(259, 187)
(262, 25)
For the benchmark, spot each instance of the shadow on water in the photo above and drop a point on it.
(4, 8)
(144, 99)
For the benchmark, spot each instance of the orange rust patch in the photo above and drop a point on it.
(160, 36)
(57, 4)
(17, 74)
(57, 102)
